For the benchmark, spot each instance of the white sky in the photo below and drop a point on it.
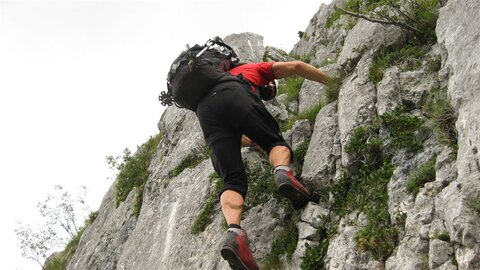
(79, 80)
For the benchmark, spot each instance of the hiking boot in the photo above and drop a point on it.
(236, 250)
(290, 188)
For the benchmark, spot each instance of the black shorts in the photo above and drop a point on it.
(230, 110)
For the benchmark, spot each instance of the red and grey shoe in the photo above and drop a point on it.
(236, 250)
(290, 187)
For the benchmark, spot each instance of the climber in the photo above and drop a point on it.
(232, 109)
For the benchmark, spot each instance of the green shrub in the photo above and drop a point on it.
(333, 89)
(434, 63)
(138, 200)
(438, 108)
(300, 152)
(409, 57)
(424, 174)
(402, 128)
(191, 161)
(261, 185)
(314, 256)
(363, 187)
(60, 261)
(473, 203)
(284, 243)
(418, 17)
(309, 114)
(444, 236)
(332, 18)
(291, 87)
(133, 170)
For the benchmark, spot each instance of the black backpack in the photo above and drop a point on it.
(196, 71)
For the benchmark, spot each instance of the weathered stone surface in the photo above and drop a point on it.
(318, 41)
(161, 238)
(276, 55)
(311, 94)
(356, 104)
(101, 245)
(460, 39)
(323, 151)
(367, 36)
(182, 136)
(298, 134)
(248, 46)
(343, 252)
(439, 253)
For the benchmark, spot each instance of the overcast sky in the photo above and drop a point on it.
(79, 80)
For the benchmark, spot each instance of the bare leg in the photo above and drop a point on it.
(279, 155)
(232, 203)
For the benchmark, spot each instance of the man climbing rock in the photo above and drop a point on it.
(232, 109)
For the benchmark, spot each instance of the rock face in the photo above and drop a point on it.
(438, 227)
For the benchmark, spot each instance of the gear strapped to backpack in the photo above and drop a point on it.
(196, 71)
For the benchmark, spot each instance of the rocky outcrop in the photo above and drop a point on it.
(436, 227)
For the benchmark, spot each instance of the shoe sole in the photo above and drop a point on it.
(297, 198)
(233, 259)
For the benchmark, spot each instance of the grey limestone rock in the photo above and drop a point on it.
(161, 238)
(248, 46)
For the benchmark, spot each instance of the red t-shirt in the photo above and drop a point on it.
(257, 73)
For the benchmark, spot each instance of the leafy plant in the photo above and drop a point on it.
(314, 256)
(424, 174)
(474, 204)
(417, 17)
(261, 185)
(291, 87)
(363, 186)
(58, 229)
(408, 56)
(133, 169)
(402, 127)
(444, 236)
(284, 243)
(309, 114)
(190, 161)
(300, 152)
(438, 108)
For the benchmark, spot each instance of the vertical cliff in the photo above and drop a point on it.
(392, 155)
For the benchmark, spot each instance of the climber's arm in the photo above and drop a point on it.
(286, 69)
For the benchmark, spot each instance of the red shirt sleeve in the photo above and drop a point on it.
(257, 73)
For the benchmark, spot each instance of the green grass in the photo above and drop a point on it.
(191, 161)
(284, 243)
(309, 114)
(333, 89)
(408, 57)
(424, 174)
(261, 185)
(314, 256)
(473, 203)
(363, 186)
(291, 87)
(437, 107)
(421, 15)
(205, 216)
(402, 127)
(444, 236)
(300, 152)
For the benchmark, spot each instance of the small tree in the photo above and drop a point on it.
(61, 214)
(418, 17)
